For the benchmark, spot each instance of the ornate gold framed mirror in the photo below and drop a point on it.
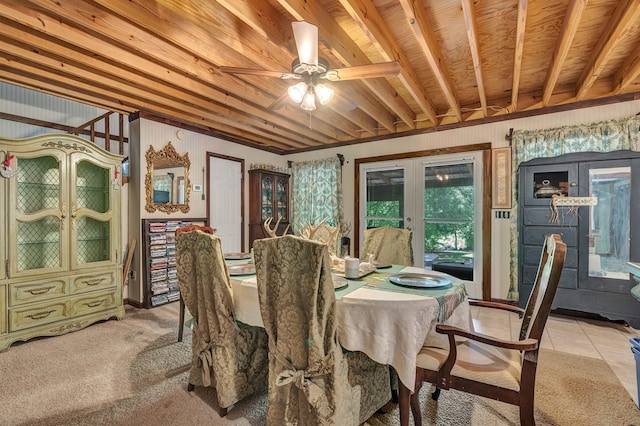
(167, 181)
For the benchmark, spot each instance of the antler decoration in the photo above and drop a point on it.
(309, 232)
(272, 232)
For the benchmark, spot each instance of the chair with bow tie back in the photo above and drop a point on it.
(226, 354)
(311, 380)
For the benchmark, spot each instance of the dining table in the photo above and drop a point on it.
(390, 323)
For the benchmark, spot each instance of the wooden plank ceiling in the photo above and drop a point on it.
(463, 62)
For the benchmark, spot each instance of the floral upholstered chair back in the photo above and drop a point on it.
(230, 356)
(388, 245)
(326, 234)
(308, 374)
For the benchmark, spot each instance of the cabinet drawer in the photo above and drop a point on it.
(542, 216)
(534, 235)
(91, 282)
(45, 313)
(568, 277)
(92, 303)
(531, 256)
(21, 293)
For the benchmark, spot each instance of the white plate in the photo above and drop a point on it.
(242, 269)
(339, 282)
(237, 256)
(420, 280)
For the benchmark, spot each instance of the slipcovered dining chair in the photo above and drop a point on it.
(388, 245)
(483, 365)
(326, 234)
(311, 380)
(226, 354)
(189, 228)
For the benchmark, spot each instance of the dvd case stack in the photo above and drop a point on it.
(163, 277)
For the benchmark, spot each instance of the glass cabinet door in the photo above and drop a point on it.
(606, 225)
(91, 204)
(37, 214)
(282, 198)
(266, 201)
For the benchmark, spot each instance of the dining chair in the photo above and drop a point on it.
(504, 370)
(388, 245)
(189, 228)
(326, 234)
(226, 354)
(312, 381)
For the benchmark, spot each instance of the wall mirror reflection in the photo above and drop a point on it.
(167, 181)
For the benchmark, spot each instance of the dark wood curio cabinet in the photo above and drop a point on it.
(598, 226)
(268, 197)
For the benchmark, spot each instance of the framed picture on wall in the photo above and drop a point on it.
(501, 179)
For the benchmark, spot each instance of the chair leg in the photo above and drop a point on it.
(436, 394)
(222, 411)
(415, 408)
(181, 319)
(405, 396)
(190, 387)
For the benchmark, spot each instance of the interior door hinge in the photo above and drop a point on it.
(6, 268)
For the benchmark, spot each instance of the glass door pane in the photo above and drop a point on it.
(449, 211)
(91, 204)
(38, 216)
(609, 222)
(267, 198)
(282, 200)
(385, 198)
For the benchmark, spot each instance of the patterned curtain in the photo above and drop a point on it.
(316, 192)
(603, 136)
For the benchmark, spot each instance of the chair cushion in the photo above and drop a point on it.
(477, 361)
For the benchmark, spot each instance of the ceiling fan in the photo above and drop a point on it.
(310, 69)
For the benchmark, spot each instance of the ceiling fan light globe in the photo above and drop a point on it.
(297, 92)
(324, 93)
(309, 101)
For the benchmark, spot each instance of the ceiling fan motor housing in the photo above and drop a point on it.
(301, 68)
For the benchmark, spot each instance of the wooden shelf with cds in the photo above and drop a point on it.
(161, 280)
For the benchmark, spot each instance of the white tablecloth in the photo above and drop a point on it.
(390, 327)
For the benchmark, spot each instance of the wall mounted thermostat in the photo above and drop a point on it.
(196, 187)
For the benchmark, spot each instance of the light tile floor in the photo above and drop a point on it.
(605, 340)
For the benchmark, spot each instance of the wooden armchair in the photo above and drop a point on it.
(493, 368)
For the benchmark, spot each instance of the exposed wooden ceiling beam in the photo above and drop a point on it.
(519, 47)
(132, 61)
(419, 22)
(625, 16)
(369, 19)
(472, 35)
(569, 28)
(628, 72)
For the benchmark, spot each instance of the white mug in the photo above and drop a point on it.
(351, 267)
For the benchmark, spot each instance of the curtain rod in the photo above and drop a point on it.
(340, 157)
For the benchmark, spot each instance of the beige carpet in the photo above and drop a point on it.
(133, 372)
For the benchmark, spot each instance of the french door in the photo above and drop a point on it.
(438, 198)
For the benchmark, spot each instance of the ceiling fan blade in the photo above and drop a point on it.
(383, 69)
(264, 73)
(306, 36)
